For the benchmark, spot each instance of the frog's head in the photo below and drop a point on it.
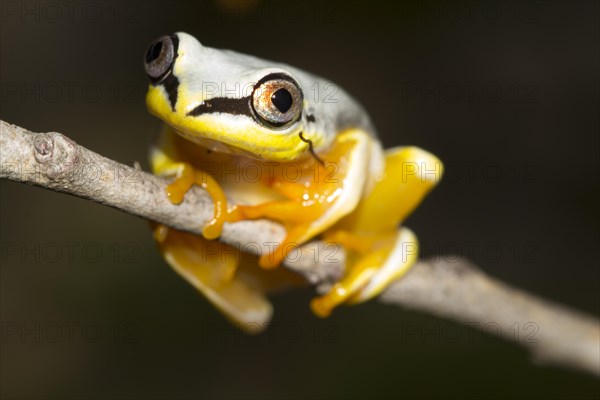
(224, 100)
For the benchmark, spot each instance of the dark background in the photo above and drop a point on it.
(505, 93)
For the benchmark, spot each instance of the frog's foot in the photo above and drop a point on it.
(189, 176)
(212, 268)
(377, 257)
(387, 260)
(292, 213)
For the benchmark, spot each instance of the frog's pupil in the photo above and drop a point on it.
(154, 52)
(282, 99)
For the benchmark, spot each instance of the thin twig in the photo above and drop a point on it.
(454, 290)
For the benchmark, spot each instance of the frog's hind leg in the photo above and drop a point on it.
(379, 253)
(410, 173)
(211, 267)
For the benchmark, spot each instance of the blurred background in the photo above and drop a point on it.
(505, 93)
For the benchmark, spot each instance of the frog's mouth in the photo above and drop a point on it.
(241, 139)
(218, 146)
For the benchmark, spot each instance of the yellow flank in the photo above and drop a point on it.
(282, 157)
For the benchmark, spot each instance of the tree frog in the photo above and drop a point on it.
(267, 140)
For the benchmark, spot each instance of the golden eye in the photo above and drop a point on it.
(159, 57)
(277, 100)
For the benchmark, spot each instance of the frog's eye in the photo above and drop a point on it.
(159, 58)
(277, 100)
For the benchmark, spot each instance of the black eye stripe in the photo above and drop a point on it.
(227, 105)
(235, 106)
(171, 85)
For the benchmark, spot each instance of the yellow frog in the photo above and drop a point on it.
(267, 140)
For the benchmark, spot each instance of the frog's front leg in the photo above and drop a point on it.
(380, 252)
(292, 214)
(167, 160)
(189, 176)
(324, 193)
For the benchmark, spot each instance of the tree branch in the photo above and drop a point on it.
(454, 290)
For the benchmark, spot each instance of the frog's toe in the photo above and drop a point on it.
(358, 276)
(399, 261)
(371, 274)
(187, 177)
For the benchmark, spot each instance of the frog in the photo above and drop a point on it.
(267, 140)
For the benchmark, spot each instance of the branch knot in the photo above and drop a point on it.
(56, 153)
